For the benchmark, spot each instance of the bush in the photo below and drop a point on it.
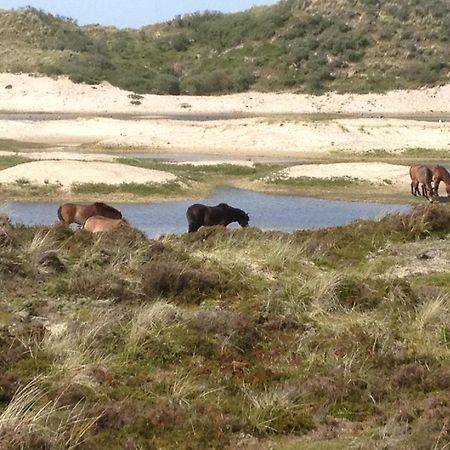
(166, 84)
(209, 83)
(171, 277)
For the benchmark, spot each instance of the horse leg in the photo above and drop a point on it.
(193, 226)
(412, 188)
(436, 187)
(424, 190)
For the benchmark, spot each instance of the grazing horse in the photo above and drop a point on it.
(222, 214)
(73, 213)
(99, 224)
(440, 174)
(421, 175)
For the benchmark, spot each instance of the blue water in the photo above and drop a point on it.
(268, 212)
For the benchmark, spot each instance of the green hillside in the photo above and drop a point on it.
(298, 45)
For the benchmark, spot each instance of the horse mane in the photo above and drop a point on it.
(224, 205)
(104, 206)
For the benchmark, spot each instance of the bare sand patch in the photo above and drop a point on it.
(415, 258)
(61, 155)
(378, 173)
(67, 173)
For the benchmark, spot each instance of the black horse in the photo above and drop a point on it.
(222, 214)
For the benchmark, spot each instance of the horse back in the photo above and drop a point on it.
(196, 213)
(97, 224)
(420, 173)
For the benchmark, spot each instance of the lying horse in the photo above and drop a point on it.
(421, 175)
(222, 214)
(440, 174)
(99, 224)
(73, 213)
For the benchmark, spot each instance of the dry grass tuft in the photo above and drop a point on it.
(30, 419)
(148, 321)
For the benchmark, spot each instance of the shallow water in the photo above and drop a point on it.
(268, 212)
(205, 117)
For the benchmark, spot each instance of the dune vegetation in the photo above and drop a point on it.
(299, 45)
(227, 338)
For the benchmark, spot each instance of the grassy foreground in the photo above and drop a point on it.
(227, 338)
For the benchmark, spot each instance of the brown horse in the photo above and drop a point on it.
(73, 213)
(440, 174)
(421, 175)
(99, 224)
(222, 214)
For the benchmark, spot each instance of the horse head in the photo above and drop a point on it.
(107, 211)
(243, 218)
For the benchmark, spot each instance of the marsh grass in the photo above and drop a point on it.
(15, 145)
(11, 161)
(200, 172)
(329, 183)
(136, 189)
(21, 190)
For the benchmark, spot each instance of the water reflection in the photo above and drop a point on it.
(268, 212)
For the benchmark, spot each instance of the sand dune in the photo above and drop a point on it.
(380, 173)
(66, 173)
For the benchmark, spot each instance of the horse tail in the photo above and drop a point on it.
(60, 217)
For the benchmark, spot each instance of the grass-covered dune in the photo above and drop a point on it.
(227, 338)
(324, 45)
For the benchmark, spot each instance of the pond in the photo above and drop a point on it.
(268, 212)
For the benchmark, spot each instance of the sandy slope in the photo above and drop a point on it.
(31, 93)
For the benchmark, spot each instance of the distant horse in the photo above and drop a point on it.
(421, 175)
(440, 174)
(99, 224)
(74, 213)
(222, 214)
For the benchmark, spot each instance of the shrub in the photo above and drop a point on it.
(171, 277)
(166, 84)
